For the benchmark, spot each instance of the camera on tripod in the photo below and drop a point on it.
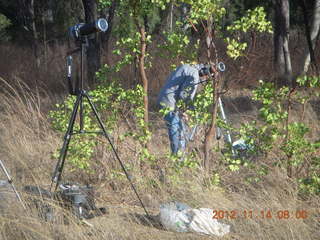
(79, 33)
(82, 29)
(77, 196)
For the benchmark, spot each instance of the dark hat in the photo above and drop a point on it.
(206, 70)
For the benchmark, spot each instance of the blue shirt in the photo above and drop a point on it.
(181, 84)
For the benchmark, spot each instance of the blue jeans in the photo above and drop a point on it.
(176, 130)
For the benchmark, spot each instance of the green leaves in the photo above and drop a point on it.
(255, 20)
(204, 9)
(178, 46)
(102, 4)
(112, 102)
(309, 81)
(4, 23)
(272, 110)
(289, 139)
(160, 3)
(202, 104)
(235, 48)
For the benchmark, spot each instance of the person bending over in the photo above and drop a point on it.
(182, 85)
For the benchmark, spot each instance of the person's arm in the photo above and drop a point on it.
(189, 87)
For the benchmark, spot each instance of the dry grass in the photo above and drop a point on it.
(27, 140)
(27, 143)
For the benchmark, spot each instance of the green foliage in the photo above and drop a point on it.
(112, 102)
(132, 13)
(102, 4)
(4, 23)
(234, 164)
(215, 179)
(205, 9)
(311, 184)
(235, 48)
(181, 162)
(288, 138)
(129, 48)
(178, 47)
(275, 131)
(272, 111)
(162, 4)
(134, 104)
(199, 109)
(309, 81)
(254, 21)
(201, 105)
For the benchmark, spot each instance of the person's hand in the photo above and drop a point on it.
(185, 117)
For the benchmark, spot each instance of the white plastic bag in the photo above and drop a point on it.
(179, 217)
(173, 218)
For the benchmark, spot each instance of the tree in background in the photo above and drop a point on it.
(284, 12)
(282, 59)
(90, 8)
(107, 9)
(22, 13)
(134, 30)
(312, 29)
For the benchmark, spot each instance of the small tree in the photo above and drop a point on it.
(134, 38)
(208, 14)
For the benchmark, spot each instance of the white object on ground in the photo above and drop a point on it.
(240, 145)
(179, 217)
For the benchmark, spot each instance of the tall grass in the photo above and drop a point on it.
(27, 143)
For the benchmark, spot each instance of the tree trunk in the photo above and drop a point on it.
(106, 37)
(93, 51)
(171, 16)
(184, 11)
(164, 23)
(45, 48)
(143, 72)
(312, 33)
(29, 21)
(282, 60)
(210, 134)
(35, 33)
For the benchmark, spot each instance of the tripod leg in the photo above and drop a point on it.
(11, 183)
(63, 152)
(81, 117)
(114, 150)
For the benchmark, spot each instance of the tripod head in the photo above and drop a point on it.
(80, 33)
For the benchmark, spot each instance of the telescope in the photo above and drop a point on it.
(207, 69)
(83, 29)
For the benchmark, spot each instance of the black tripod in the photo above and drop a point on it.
(78, 105)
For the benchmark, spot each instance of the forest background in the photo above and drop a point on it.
(270, 90)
